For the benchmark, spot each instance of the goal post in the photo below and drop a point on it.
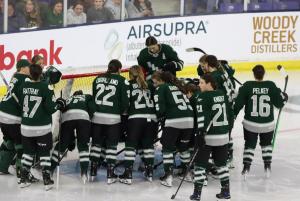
(70, 83)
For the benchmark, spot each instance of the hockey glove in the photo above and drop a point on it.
(60, 104)
(52, 75)
(171, 67)
(285, 97)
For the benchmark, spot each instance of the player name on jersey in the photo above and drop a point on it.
(219, 99)
(260, 90)
(31, 91)
(173, 88)
(107, 80)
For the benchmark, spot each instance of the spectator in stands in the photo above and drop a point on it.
(1, 6)
(203, 6)
(32, 14)
(75, 14)
(139, 8)
(15, 21)
(115, 6)
(98, 13)
(86, 4)
(55, 14)
(233, 1)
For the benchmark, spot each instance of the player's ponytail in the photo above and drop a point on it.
(136, 73)
(170, 78)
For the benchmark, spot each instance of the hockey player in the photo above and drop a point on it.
(212, 108)
(38, 101)
(212, 65)
(158, 57)
(111, 98)
(259, 98)
(10, 119)
(172, 105)
(38, 59)
(76, 116)
(142, 125)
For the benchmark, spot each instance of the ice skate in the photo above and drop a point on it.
(48, 182)
(111, 176)
(268, 170)
(93, 171)
(224, 194)
(126, 177)
(24, 179)
(148, 173)
(196, 194)
(246, 171)
(205, 181)
(167, 179)
(84, 177)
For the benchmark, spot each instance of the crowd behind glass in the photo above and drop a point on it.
(24, 15)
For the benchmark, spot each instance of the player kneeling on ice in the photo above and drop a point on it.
(142, 124)
(76, 116)
(259, 98)
(212, 108)
(111, 99)
(172, 105)
(39, 103)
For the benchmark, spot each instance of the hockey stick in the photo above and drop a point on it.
(8, 88)
(286, 77)
(226, 65)
(196, 49)
(190, 163)
(63, 155)
(58, 155)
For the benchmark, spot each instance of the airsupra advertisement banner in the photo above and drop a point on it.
(235, 37)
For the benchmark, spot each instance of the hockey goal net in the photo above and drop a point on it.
(70, 83)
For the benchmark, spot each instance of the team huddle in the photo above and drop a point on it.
(196, 120)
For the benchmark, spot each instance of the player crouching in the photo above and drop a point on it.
(76, 116)
(39, 104)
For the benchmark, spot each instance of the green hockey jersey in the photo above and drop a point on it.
(78, 108)
(153, 62)
(38, 101)
(193, 100)
(213, 106)
(259, 99)
(141, 103)
(172, 104)
(225, 84)
(10, 108)
(111, 98)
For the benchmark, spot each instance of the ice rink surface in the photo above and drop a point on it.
(284, 184)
